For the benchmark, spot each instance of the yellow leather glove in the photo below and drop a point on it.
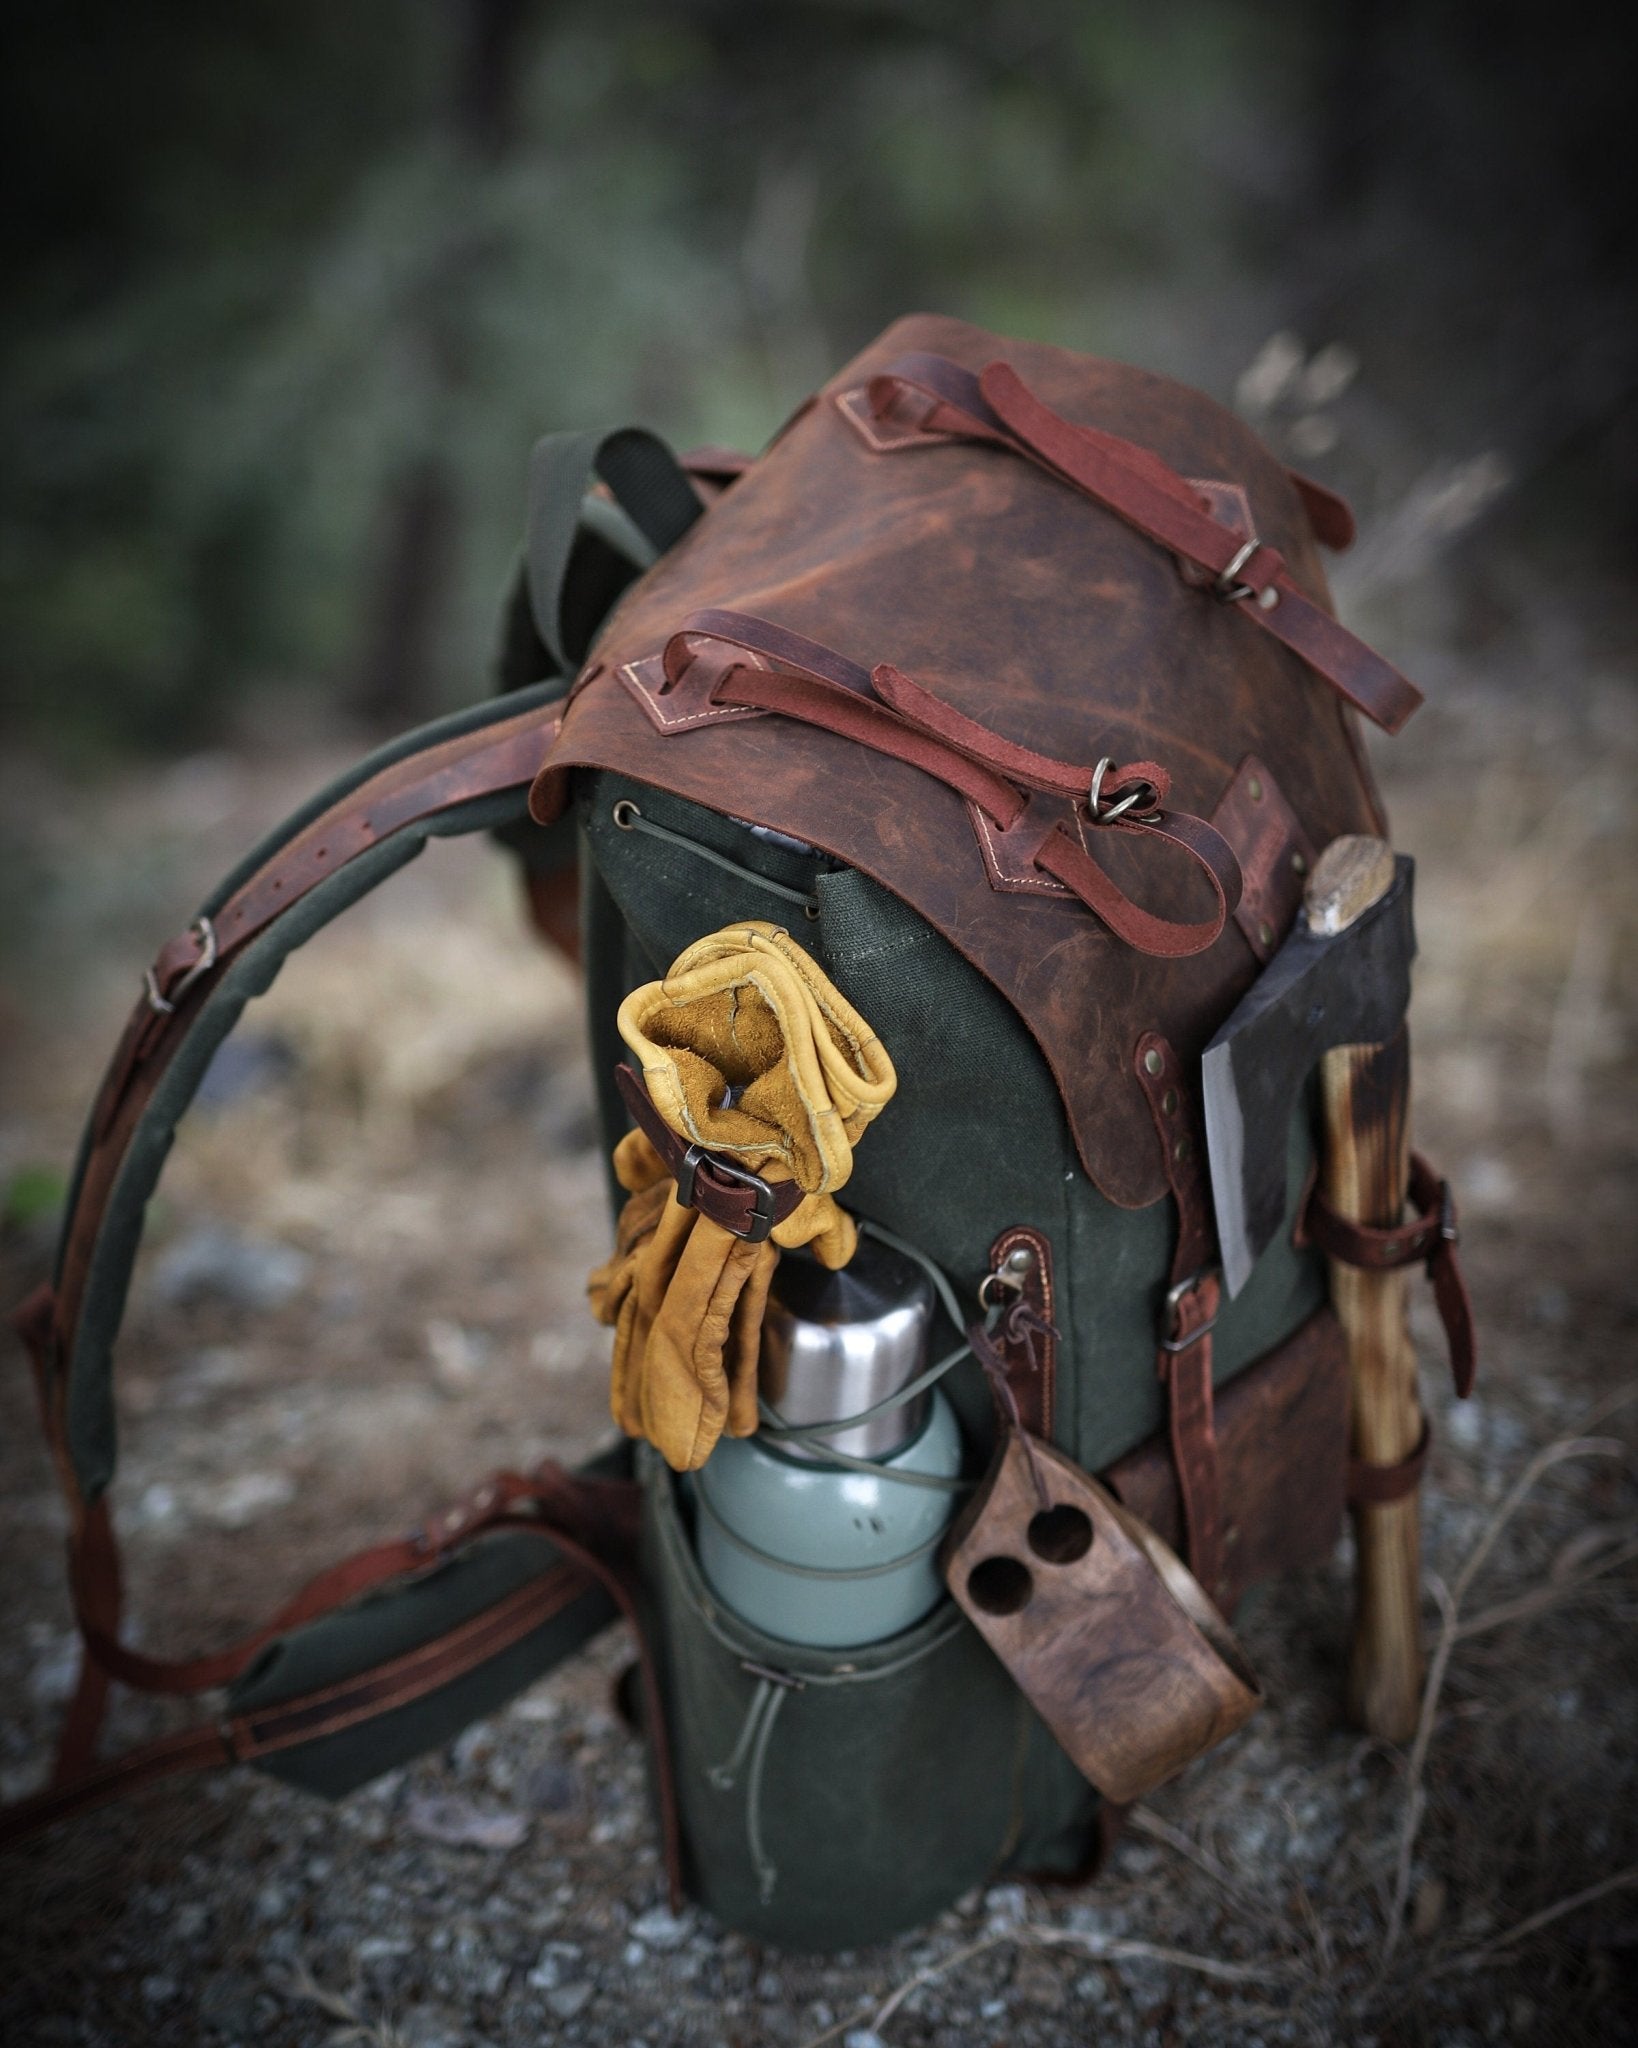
(748, 1049)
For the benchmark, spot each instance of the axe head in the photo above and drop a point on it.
(1319, 991)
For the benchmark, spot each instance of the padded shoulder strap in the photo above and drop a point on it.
(464, 774)
(654, 505)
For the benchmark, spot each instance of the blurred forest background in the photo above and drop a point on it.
(293, 286)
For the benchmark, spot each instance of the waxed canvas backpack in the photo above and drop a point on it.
(1004, 684)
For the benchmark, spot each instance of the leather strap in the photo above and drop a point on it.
(1370, 1486)
(1184, 1357)
(741, 1202)
(1429, 1238)
(463, 761)
(925, 394)
(890, 712)
(576, 1515)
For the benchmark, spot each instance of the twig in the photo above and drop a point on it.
(1545, 1597)
(352, 2026)
(1450, 1603)
(1476, 1958)
(1102, 1947)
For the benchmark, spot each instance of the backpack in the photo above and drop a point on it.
(870, 688)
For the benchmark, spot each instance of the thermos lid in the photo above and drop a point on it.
(836, 1343)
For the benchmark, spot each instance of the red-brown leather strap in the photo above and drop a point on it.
(893, 714)
(931, 395)
(1429, 1237)
(1184, 1358)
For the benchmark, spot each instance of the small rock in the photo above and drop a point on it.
(1006, 1904)
(1037, 1983)
(457, 1353)
(244, 1272)
(660, 1929)
(159, 1990)
(460, 1824)
(569, 1999)
(552, 1788)
(248, 1495)
(272, 1902)
(555, 1958)
(381, 1948)
(54, 1675)
(862, 2037)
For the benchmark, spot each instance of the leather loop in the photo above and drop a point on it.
(1371, 1486)
(928, 394)
(1429, 1237)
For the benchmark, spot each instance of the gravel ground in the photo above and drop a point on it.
(363, 1289)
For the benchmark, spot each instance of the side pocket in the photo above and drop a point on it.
(829, 1798)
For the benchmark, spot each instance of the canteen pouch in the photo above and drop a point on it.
(829, 1798)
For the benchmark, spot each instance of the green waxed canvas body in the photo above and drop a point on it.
(851, 1830)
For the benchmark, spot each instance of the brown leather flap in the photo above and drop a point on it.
(1047, 619)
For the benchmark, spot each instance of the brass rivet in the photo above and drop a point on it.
(1168, 1102)
(1182, 1149)
(1391, 1249)
(1254, 789)
(1265, 931)
(1298, 864)
(1153, 1062)
(1267, 598)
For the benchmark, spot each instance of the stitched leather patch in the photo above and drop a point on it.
(685, 703)
(1274, 852)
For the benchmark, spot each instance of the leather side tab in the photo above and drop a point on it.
(1274, 852)
(1026, 1336)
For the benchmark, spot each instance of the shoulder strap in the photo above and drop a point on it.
(467, 773)
(652, 505)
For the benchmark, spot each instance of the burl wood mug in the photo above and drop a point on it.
(1108, 1635)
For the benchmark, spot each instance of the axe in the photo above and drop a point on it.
(1335, 996)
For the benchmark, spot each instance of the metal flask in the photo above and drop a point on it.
(808, 1552)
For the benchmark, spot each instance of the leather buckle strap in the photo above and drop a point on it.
(1428, 1238)
(929, 395)
(741, 1202)
(893, 714)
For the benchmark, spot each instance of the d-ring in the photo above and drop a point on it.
(1104, 814)
(1227, 587)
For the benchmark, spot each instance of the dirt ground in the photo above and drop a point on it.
(362, 1289)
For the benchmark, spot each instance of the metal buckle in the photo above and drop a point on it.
(1171, 1312)
(1105, 814)
(762, 1202)
(204, 935)
(1448, 1228)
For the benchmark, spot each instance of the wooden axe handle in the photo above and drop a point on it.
(1364, 1174)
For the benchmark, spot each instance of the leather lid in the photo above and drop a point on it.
(1046, 618)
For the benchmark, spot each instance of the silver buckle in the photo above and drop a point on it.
(1171, 1312)
(204, 934)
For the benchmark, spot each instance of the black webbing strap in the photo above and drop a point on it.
(568, 594)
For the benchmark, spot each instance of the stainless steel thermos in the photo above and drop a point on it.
(805, 1551)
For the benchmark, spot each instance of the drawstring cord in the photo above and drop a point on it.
(755, 1739)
